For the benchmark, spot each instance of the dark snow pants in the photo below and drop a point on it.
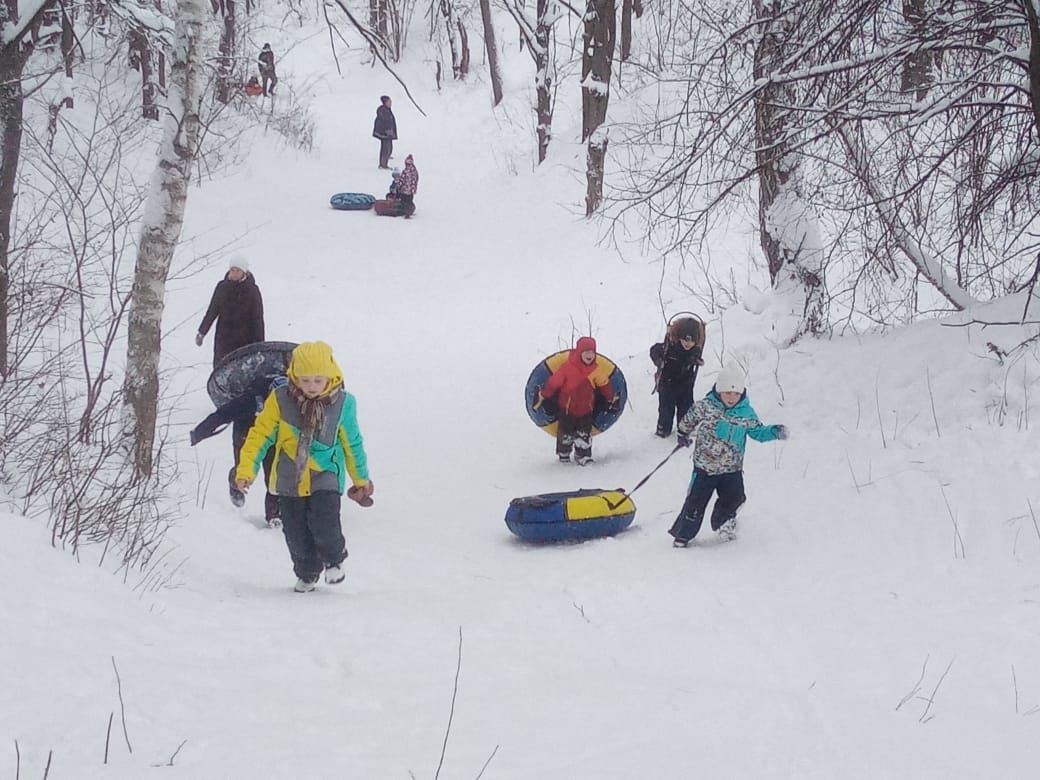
(313, 533)
(407, 204)
(673, 402)
(386, 149)
(730, 488)
(239, 430)
(574, 432)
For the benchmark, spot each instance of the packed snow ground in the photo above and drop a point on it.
(878, 618)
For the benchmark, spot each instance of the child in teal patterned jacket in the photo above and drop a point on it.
(720, 423)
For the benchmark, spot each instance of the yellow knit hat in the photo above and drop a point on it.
(314, 358)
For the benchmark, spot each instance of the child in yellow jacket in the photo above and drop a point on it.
(312, 425)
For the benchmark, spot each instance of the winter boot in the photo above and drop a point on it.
(334, 575)
(305, 586)
(583, 460)
(681, 543)
(272, 512)
(728, 530)
(565, 457)
(662, 433)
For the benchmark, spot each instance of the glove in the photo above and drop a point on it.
(198, 339)
(781, 431)
(683, 440)
(547, 405)
(363, 494)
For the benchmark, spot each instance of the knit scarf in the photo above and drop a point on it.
(312, 415)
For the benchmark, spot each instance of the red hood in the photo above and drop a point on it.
(583, 344)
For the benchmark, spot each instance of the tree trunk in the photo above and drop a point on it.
(160, 231)
(464, 50)
(226, 56)
(546, 11)
(788, 226)
(917, 67)
(1033, 22)
(141, 57)
(12, 63)
(597, 57)
(626, 29)
(492, 51)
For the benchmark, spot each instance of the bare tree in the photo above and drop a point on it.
(226, 56)
(787, 223)
(492, 51)
(903, 136)
(597, 58)
(538, 34)
(160, 232)
(628, 8)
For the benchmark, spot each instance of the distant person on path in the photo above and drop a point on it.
(238, 309)
(407, 185)
(240, 413)
(312, 425)
(721, 423)
(266, 64)
(677, 359)
(570, 393)
(385, 129)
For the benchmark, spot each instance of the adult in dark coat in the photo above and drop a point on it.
(238, 309)
(265, 62)
(385, 129)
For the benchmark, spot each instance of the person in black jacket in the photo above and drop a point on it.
(677, 359)
(265, 62)
(385, 129)
(239, 413)
(238, 309)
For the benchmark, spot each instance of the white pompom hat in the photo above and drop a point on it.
(730, 380)
(239, 262)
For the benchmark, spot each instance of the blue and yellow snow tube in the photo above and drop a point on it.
(602, 417)
(573, 516)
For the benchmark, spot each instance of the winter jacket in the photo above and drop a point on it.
(385, 126)
(238, 309)
(265, 62)
(243, 408)
(576, 384)
(721, 433)
(408, 181)
(678, 366)
(337, 450)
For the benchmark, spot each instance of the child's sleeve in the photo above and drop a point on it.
(765, 432)
(553, 383)
(259, 439)
(353, 444)
(691, 419)
(657, 354)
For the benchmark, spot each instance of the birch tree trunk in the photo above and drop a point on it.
(597, 57)
(160, 231)
(492, 51)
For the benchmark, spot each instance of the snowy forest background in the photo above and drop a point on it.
(814, 178)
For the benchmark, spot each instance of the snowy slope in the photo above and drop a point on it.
(888, 556)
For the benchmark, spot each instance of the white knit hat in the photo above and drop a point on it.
(239, 262)
(730, 380)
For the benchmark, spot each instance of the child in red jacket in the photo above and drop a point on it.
(571, 393)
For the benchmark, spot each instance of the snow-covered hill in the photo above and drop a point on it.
(878, 618)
